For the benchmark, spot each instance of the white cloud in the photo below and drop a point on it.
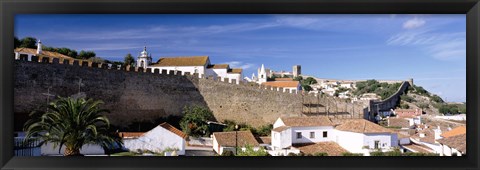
(442, 46)
(239, 64)
(413, 23)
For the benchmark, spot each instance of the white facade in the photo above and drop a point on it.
(281, 140)
(192, 69)
(144, 60)
(262, 75)
(157, 140)
(448, 151)
(352, 141)
(29, 55)
(223, 73)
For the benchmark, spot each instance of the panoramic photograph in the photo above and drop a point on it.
(239, 85)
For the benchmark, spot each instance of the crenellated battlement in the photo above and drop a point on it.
(134, 94)
(89, 64)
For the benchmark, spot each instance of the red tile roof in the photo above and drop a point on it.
(458, 142)
(173, 130)
(130, 134)
(454, 132)
(280, 128)
(307, 121)
(182, 61)
(290, 84)
(331, 148)
(362, 126)
(241, 138)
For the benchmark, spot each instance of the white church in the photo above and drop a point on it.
(284, 80)
(191, 64)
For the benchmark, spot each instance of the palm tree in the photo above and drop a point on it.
(71, 123)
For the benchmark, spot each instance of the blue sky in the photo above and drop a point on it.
(429, 48)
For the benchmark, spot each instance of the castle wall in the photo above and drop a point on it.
(141, 95)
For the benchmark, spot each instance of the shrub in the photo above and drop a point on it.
(320, 154)
(377, 153)
(352, 154)
(249, 151)
(194, 121)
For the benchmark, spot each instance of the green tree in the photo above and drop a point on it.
(436, 99)
(16, 42)
(194, 121)
(309, 81)
(28, 42)
(71, 123)
(423, 106)
(298, 78)
(250, 151)
(404, 106)
(407, 98)
(86, 54)
(128, 60)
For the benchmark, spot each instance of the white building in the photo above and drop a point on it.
(29, 52)
(223, 141)
(192, 64)
(453, 145)
(164, 137)
(354, 135)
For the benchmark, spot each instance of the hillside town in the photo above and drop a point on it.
(419, 123)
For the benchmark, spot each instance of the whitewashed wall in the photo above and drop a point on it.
(183, 69)
(318, 130)
(387, 140)
(156, 140)
(278, 123)
(282, 139)
(352, 142)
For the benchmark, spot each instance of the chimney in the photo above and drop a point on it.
(39, 47)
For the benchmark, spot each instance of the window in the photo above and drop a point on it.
(377, 143)
(312, 135)
(325, 134)
(299, 135)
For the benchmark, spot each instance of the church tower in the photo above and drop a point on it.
(39, 47)
(262, 75)
(144, 59)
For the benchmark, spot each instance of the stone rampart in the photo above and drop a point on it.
(134, 95)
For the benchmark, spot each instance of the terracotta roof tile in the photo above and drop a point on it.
(218, 66)
(399, 122)
(331, 148)
(43, 53)
(130, 134)
(307, 121)
(454, 132)
(229, 139)
(362, 126)
(280, 128)
(173, 130)
(264, 140)
(282, 83)
(182, 61)
(419, 148)
(283, 79)
(458, 142)
(235, 71)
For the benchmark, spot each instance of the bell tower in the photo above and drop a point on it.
(144, 60)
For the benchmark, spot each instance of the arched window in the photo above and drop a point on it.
(262, 76)
(196, 71)
(141, 64)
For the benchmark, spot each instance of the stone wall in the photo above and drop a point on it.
(136, 95)
(388, 103)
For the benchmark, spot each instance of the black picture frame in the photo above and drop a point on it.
(9, 8)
